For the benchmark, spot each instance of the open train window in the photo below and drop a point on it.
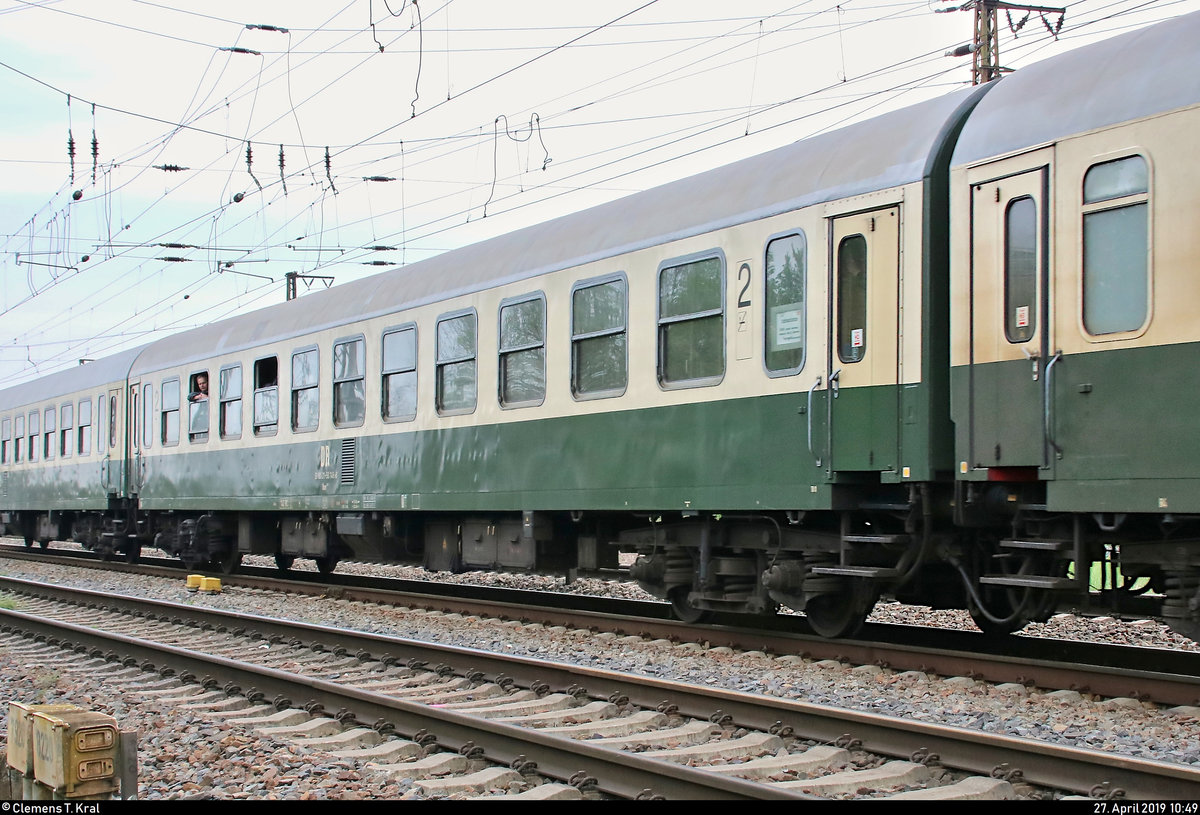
(349, 383)
(599, 356)
(83, 438)
(691, 322)
(266, 396)
(35, 435)
(400, 375)
(48, 434)
(66, 430)
(229, 392)
(5, 439)
(168, 429)
(456, 372)
(785, 273)
(523, 351)
(198, 407)
(1116, 246)
(18, 437)
(306, 390)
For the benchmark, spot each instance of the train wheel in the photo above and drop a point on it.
(284, 562)
(29, 543)
(44, 544)
(229, 563)
(839, 614)
(1000, 605)
(685, 611)
(133, 553)
(326, 565)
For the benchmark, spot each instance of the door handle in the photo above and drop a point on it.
(834, 382)
(812, 452)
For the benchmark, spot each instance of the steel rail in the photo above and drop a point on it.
(1054, 766)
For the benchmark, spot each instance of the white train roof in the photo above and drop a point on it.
(890, 150)
(1128, 77)
(93, 375)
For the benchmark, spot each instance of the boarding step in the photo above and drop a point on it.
(1029, 581)
(1038, 546)
(874, 572)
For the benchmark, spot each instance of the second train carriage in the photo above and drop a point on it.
(835, 371)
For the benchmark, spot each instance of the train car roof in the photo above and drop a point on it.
(99, 373)
(1128, 77)
(892, 149)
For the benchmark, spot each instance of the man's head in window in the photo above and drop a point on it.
(200, 387)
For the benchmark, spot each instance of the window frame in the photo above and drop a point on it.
(169, 415)
(80, 448)
(266, 429)
(577, 338)
(1008, 279)
(5, 439)
(49, 433)
(18, 436)
(775, 373)
(1127, 200)
(200, 437)
(385, 372)
(66, 429)
(361, 339)
(293, 390)
(222, 402)
(147, 415)
(662, 324)
(33, 429)
(502, 353)
(441, 364)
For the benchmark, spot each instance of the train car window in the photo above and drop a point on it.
(599, 356)
(786, 272)
(266, 396)
(5, 439)
(66, 430)
(84, 437)
(135, 418)
(523, 352)
(400, 375)
(112, 422)
(169, 417)
(349, 383)
(34, 437)
(1020, 270)
(456, 372)
(852, 298)
(147, 415)
(691, 322)
(306, 390)
(48, 434)
(18, 436)
(229, 391)
(1116, 241)
(198, 407)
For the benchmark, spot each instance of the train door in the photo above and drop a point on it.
(133, 427)
(1010, 308)
(112, 470)
(864, 343)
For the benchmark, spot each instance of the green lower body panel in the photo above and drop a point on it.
(737, 455)
(1121, 431)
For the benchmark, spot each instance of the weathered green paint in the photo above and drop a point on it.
(741, 455)
(64, 484)
(1128, 425)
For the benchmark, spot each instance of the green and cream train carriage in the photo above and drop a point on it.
(1076, 392)
(942, 355)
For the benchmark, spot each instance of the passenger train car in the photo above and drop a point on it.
(944, 355)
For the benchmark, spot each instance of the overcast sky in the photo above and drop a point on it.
(444, 122)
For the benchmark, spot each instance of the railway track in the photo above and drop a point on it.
(1163, 676)
(539, 727)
